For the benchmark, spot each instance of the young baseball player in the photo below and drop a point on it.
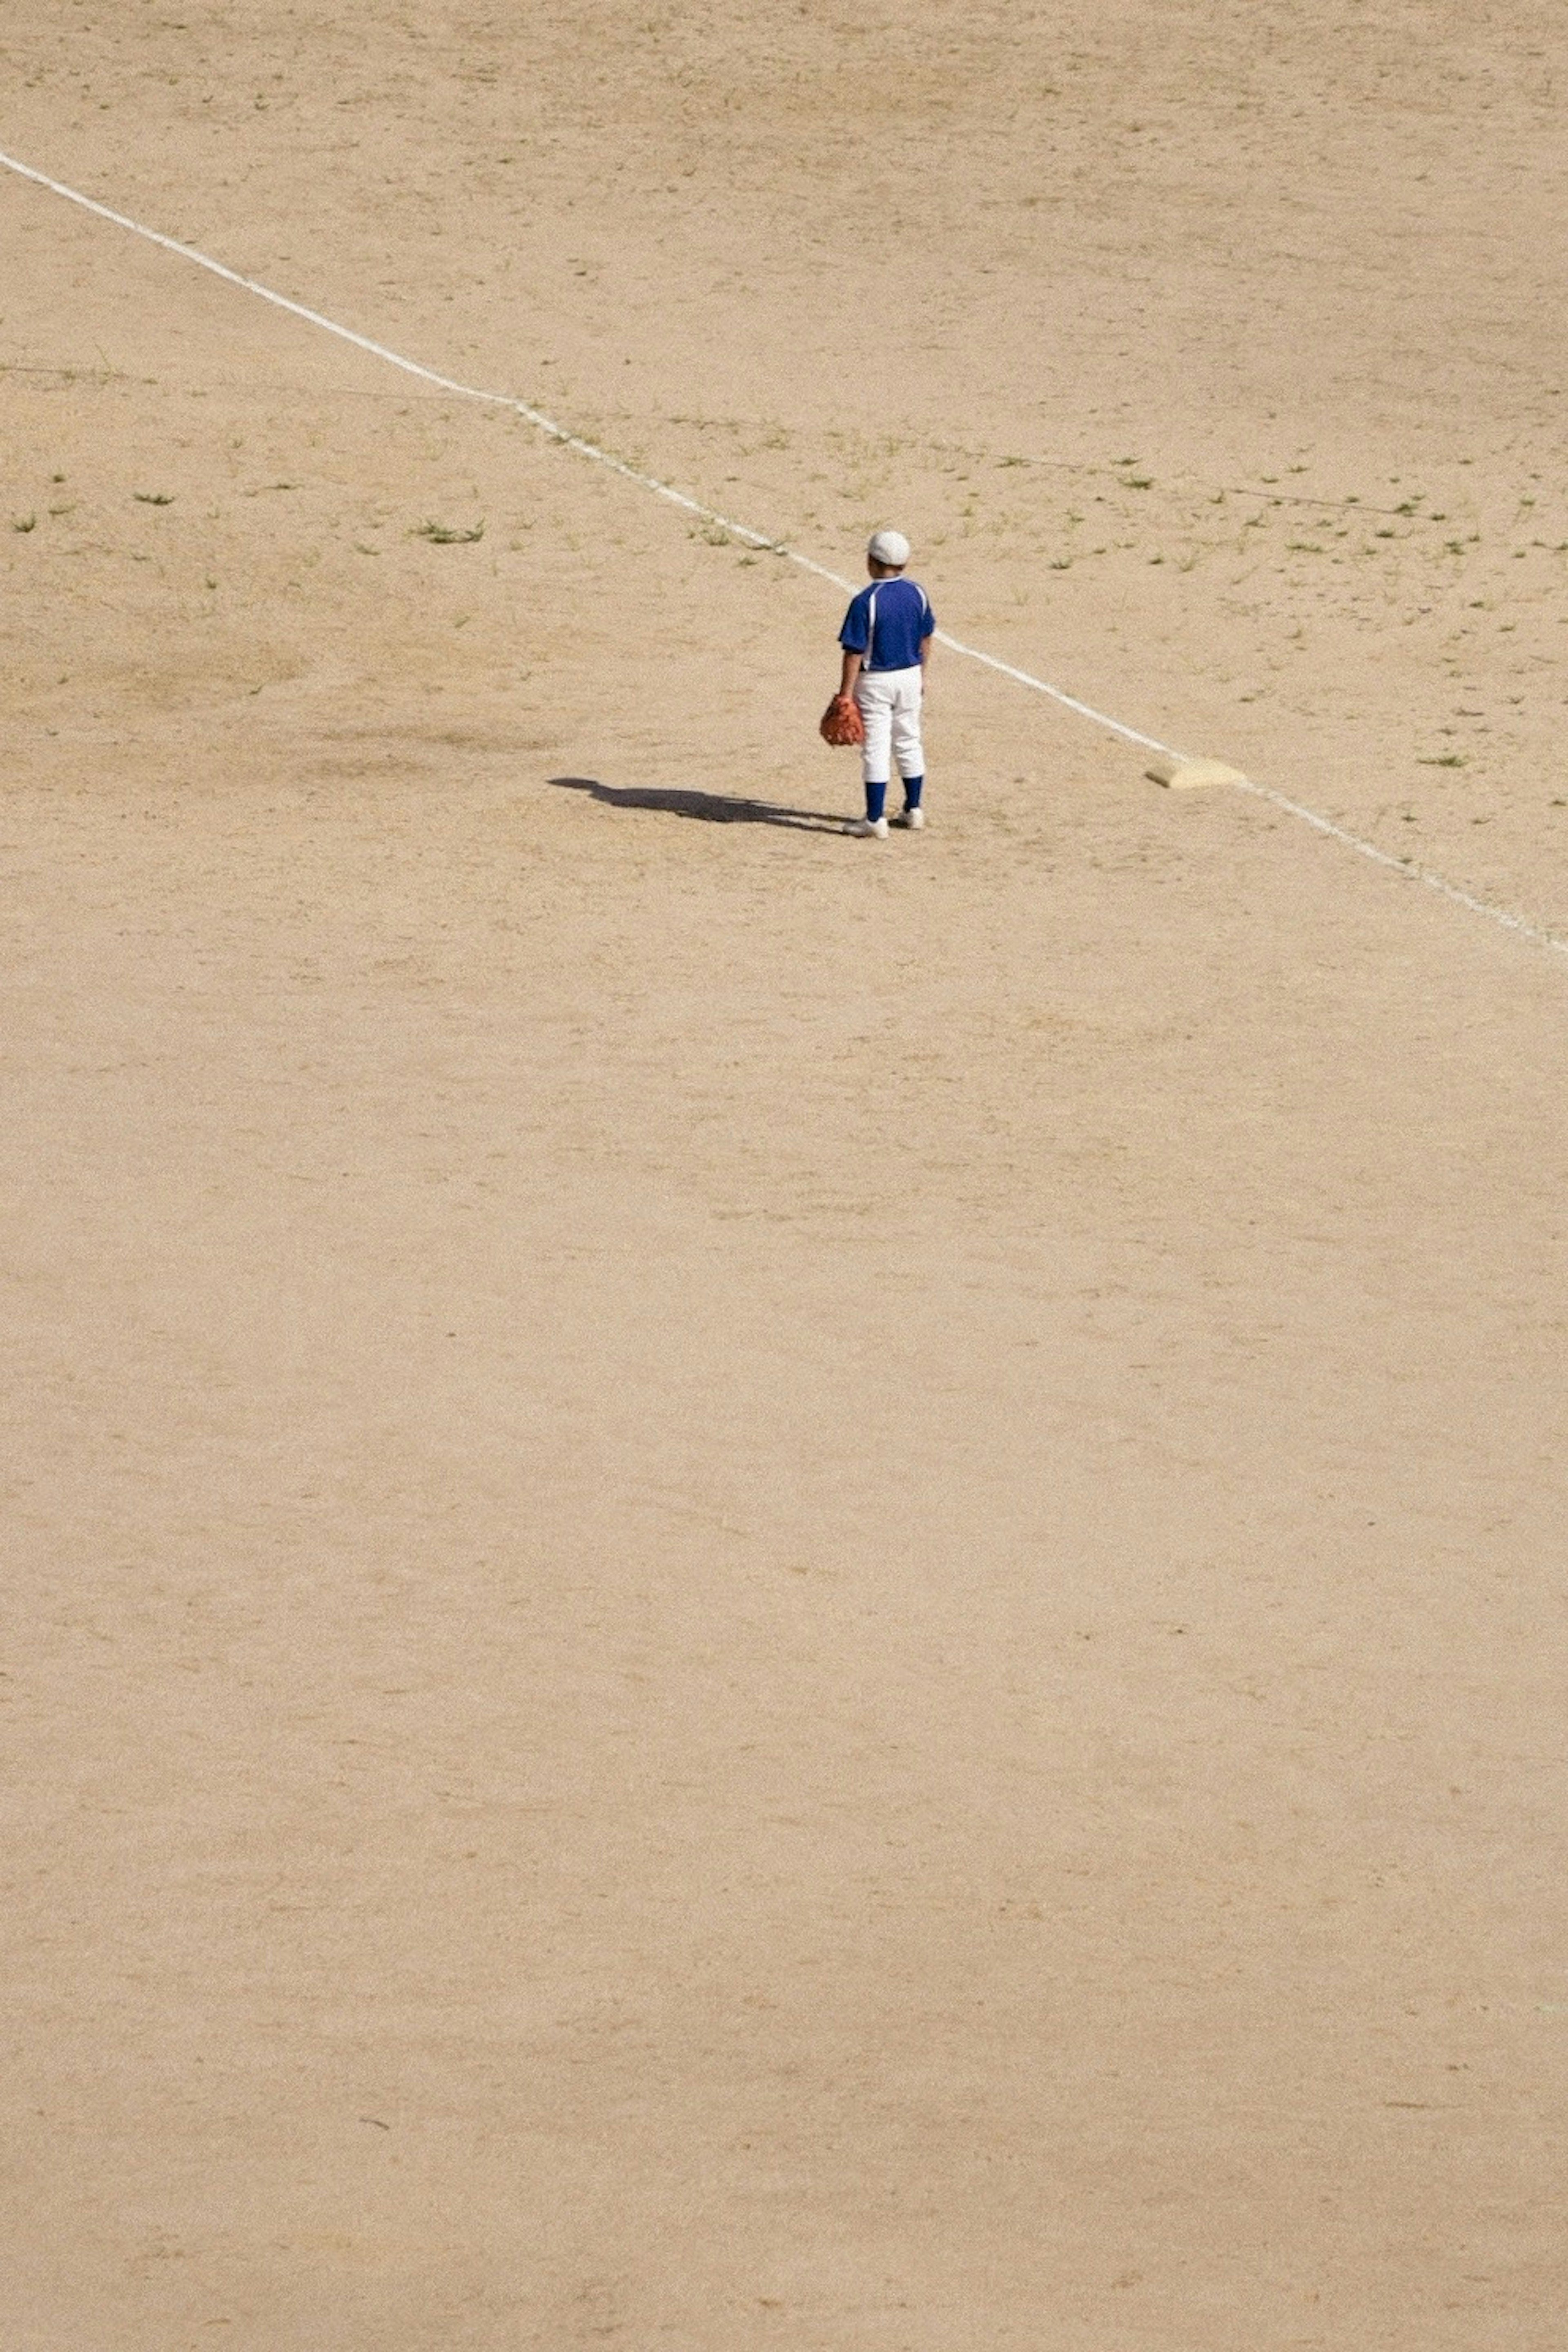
(886, 637)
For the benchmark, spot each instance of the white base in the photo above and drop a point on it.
(1190, 775)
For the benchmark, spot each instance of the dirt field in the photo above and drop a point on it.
(768, 1592)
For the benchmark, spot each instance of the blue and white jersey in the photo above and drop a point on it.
(904, 617)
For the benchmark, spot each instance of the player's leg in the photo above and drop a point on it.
(909, 750)
(876, 751)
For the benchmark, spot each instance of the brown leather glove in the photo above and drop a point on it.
(840, 722)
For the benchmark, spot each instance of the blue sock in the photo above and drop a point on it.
(875, 801)
(913, 787)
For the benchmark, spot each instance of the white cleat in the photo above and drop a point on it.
(910, 819)
(870, 828)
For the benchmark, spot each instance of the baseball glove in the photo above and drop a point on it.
(840, 722)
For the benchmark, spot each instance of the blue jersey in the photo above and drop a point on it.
(903, 619)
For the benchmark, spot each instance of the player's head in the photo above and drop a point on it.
(887, 550)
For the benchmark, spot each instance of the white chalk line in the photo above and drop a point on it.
(575, 442)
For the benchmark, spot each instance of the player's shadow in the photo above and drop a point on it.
(708, 808)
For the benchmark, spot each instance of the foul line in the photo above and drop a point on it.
(567, 439)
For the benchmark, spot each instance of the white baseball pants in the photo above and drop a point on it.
(889, 701)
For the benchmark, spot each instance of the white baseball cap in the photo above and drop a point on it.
(889, 547)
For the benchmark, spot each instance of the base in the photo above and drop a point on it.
(1188, 775)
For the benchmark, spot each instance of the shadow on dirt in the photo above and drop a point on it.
(708, 808)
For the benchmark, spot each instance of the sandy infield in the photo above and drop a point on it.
(764, 1591)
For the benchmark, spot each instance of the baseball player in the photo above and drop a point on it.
(886, 638)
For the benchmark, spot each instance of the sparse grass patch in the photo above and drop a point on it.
(442, 534)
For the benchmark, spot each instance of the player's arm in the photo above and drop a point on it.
(854, 657)
(857, 624)
(926, 645)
